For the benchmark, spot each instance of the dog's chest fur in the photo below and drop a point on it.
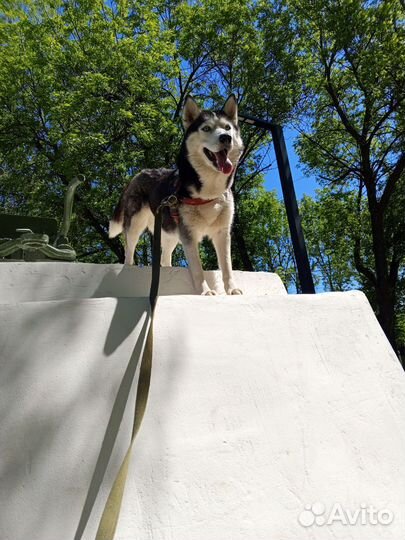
(207, 219)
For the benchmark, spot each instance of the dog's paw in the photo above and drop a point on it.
(234, 291)
(209, 293)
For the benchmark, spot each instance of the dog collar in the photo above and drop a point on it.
(196, 201)
(174, 210)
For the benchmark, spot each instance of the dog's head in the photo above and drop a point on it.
(212, 138)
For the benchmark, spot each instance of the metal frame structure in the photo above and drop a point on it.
(290, 201)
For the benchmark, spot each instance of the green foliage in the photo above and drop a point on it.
(81, 93)
(95, 88)
(352, 54)
(267, 235)
(329, 222)
(352, 135)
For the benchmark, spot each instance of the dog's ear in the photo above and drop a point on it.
(191, 111)
(231, 108)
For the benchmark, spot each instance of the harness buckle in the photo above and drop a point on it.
(169, 201)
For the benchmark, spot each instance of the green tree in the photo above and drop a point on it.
(81, 93)
(329, 222)
(267, 235)
(352, 133)
(96, 88)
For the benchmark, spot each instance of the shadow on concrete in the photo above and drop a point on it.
(63, 323)
(121, 327)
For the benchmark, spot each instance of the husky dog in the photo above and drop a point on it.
(202, 184)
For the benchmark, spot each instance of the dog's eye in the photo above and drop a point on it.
(206, 128)
(227, 127)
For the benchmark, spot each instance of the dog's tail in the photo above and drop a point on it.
(117, 222)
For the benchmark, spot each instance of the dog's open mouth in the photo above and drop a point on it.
(220, 160)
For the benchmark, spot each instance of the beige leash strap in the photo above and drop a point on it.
(109, 518)
(111, 512)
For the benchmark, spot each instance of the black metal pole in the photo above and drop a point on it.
(291, 206)
(290, 201)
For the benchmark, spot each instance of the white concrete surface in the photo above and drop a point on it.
(259, 406)
(27, 282)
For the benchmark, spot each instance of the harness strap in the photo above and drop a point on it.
(109, 518)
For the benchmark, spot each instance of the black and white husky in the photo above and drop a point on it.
(202, 184)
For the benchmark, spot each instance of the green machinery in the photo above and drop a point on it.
(29, 238)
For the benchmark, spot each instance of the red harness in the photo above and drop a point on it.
(174, 210)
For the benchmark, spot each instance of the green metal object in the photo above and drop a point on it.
(67, 214)
(18, 241)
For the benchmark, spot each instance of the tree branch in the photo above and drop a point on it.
(358, 263)
(363, 88)
(335, 100)
(386, 152)
(184, 89)
(392, 181)
(344, 163)
(392, 108)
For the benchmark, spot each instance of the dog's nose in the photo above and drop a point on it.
(225, 139)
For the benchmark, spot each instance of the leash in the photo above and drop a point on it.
(109, 518)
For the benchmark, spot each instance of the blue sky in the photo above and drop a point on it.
(304, 184)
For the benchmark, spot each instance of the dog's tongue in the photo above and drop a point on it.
(223, 162)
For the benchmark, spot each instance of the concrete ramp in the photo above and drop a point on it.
(270, 417)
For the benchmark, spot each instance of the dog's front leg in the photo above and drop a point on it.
(190, 248)
(222, 244)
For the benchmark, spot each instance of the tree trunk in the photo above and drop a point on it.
(385, 297)
(384, 286)
(241, 245)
